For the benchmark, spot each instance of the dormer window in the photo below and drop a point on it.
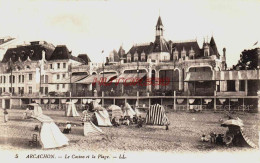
(175, 55)
(143, 56)
(136, 57)
(128, 57)
(206, 51)
(183, 53)
(191, 54)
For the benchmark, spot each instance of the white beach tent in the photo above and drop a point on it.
(128, 111)
(71, 110)
(101, 114)
(50, 134)
(37, 110)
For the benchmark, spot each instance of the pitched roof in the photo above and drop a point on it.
(62, 52)
(179, 46)
(85, 58)
(214, 46)
(33, 51)
(159, 22)
(160, 45)
(146, 48)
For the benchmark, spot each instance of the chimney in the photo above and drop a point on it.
(224, 52)
(43, 55)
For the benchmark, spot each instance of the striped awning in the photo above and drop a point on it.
(198, 76)
(128, 78)
(96, 78)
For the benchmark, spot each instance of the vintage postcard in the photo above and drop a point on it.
(114, 80)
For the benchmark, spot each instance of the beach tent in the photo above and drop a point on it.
(71, 110)
(116, 111)
(89, 128)
(101, 115)
(128, 111)
(156, 116)
(37, 110)
(50, 134)
(102, 118)
(235, 134)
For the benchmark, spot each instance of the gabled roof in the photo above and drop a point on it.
(139, 49)
(159, 22)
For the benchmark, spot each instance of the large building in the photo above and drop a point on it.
(180, 75)
(37, 69)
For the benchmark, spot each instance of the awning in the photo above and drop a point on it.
(75, 78)
(128, 78)
(198, 76)
(96, 78)
(238, 75)
(71, 79)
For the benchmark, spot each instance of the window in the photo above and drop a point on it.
(63, 85)
(58, 86)
(42, 78)
(241, 85)
(1, 79)
(50, 66)
(13, 79)
(0, 90)
(58, 65)
(231, 86)
(30, 90)
(46, 90)
(136, 57)
(10, 79)
(63, 75)
(41, 90)
(10, 89)
(22, 78)
(64, 65)
(143, 56)
(46, 79)
(4, 79)
(58, 76)
(30, 76)
(19, 79)
(3, 89)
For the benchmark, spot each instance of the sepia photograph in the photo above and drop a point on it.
(129, 80)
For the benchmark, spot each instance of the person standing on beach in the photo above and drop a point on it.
(5, 115)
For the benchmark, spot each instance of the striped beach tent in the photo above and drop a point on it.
(247, 140)
(90, 129)
(156, 116)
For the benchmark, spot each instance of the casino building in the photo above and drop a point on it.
(182, 76)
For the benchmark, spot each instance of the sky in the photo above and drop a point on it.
(91, 26)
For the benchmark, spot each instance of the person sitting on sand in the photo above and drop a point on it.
(126, 121)
(204, 138)
(67, 129)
